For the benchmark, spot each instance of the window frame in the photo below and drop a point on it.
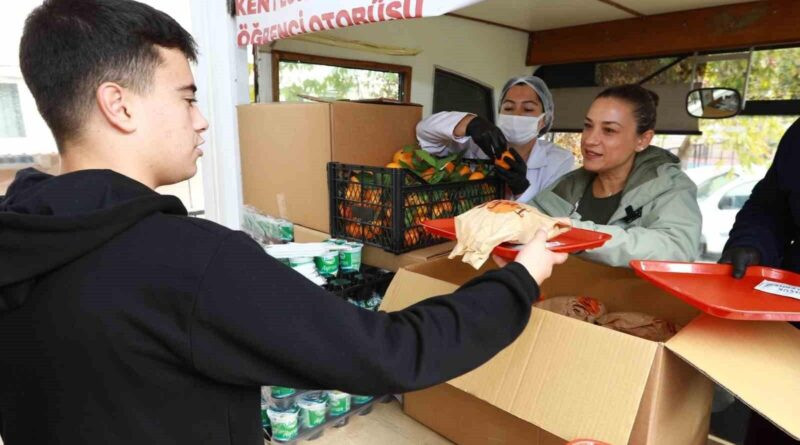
(404, 71)
(753, 107)
(17, 102)
(488, 88)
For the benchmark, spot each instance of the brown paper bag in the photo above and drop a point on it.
(579, 308)
(488, 225)
(638, 324)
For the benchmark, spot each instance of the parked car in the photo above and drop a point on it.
(699, 175)
(721, 193)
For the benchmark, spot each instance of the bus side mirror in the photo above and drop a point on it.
(713, 103)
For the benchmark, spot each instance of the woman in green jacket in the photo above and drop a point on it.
(628, 188)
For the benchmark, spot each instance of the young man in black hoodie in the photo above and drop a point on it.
(124, 321)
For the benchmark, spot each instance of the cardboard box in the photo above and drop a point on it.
(577, 380)
(375, 256)
(306, 235)
(378, 257)
(285, 148)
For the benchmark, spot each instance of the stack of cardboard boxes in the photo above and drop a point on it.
(285, 149)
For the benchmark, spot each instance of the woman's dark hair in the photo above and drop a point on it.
(644, 103)
(70, 47)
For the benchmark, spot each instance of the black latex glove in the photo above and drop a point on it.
(488, 137)
(516, 175)
(740, 258)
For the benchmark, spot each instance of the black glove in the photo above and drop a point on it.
(488, 137)
(516, 175)
(740, 258)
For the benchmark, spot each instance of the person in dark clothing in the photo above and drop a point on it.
(123, 321)
(768, 225)
(766, 232)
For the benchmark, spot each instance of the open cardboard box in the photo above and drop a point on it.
(377, 257)
(568, 379)
(285, 149)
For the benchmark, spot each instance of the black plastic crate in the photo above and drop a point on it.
(361, 285)
(385, 207)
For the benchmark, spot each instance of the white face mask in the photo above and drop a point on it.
(519, 130)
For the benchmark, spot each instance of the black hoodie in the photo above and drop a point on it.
(123, 321)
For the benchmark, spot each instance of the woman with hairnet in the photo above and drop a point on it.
(526, 113)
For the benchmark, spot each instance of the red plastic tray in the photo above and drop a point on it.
(575, 240)
(712, 289)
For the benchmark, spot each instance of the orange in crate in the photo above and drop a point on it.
(501, 161)
(412, 236)
(402, 155)
(366, 202)
(428, 174)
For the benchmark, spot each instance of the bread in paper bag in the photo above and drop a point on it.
(488, 225)
(641, 325)
(579, 308)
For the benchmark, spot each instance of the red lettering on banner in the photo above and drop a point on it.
(250, 7)
(315, 23)
(381, 16)
(372, 11)
(282, 31)
(370, 15)
(293, 28)
(393, 10)
(343, 14)
(359, 16)
(243, 38)
(328, 17)
(257, 35)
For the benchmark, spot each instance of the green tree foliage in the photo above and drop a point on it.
(774, 75)
(335, 82)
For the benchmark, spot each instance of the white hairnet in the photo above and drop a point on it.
(542, 91)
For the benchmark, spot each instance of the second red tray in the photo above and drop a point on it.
(712, 289)
(575, 240)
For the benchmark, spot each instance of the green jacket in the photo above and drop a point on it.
(670, 222)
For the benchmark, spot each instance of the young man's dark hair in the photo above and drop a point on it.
(69, 47)
(124, 321)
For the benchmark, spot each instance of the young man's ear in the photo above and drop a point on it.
(115, 105)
